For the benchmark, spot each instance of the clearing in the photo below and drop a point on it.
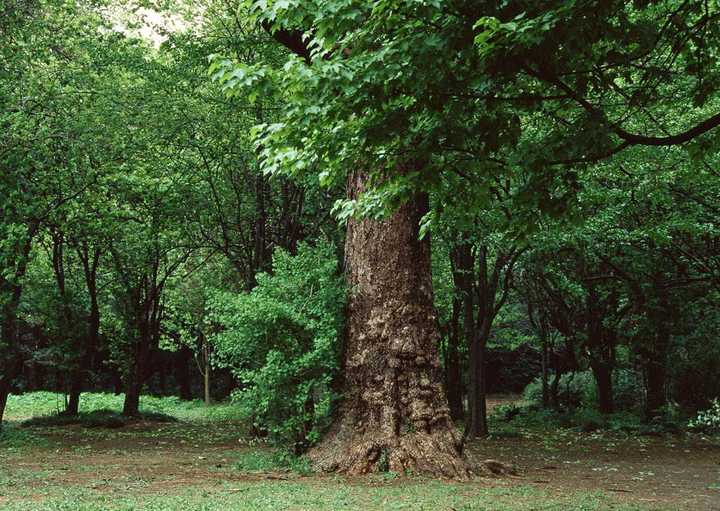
(206, 462)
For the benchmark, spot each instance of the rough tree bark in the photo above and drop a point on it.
(394, 416)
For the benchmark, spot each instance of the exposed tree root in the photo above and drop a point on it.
(433, 454)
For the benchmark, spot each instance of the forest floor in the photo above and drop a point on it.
(205, 462)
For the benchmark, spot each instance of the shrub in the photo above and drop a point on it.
(579, 390)
(507, 411)
(707, 420)
(281, 343)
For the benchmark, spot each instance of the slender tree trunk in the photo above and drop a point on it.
(656, 365)
(480, 427)
(12, 362)
(182, 373)
(656, 374)
(452, 360)
(161, 374)
(131, 406)
(87, 349)
(603, 379)
(555, 385)
(464, 267)
(545, 382)
(206, 371)
(4, 393)
(473, 390)
(477, 401)
(395, 414)
(135, 378)
(76, 384)
(601, 349)
(76, 372)
(117, 383)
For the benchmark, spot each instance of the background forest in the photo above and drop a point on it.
(193, 197)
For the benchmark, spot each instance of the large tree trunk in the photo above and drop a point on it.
(394, 416)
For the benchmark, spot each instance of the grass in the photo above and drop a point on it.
(30, 416)
(330, 495)
(272, 461)
(40, 404)
(13, 437)
(33, 405)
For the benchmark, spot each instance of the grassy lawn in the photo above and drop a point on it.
(184, 456)
(326, 494)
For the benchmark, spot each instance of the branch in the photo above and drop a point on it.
(629, 138)
(290, 39)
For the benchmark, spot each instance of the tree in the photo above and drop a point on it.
(280, 340)
(397, 95)
(36, 149)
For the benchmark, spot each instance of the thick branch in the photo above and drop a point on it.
(290, 39)
(629, 138)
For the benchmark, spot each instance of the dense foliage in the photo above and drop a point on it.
(171, 198)
(282, 343)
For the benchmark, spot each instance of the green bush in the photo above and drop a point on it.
(707, 420)
(281, 343)
(579, 390)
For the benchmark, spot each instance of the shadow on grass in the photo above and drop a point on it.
(103, 418)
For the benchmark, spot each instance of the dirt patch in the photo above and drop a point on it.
(679, 472)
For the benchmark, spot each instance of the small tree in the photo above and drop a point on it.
(281, 342)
